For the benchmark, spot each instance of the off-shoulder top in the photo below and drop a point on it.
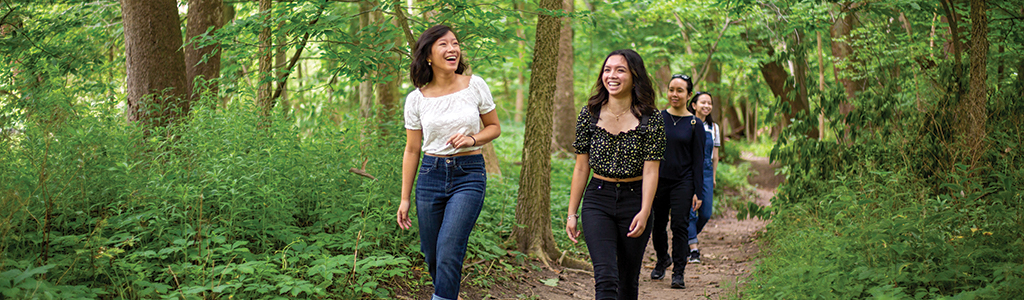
(619, 155)
(441, 117)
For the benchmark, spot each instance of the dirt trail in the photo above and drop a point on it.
(727, 248)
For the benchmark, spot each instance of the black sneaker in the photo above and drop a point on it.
(660, 266)
(677, 281)
(694, 257)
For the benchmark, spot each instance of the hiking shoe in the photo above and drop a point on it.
(677, 281)
(694, 257)
(660, 266)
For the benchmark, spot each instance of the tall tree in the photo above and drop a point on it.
(365, 88)
(973, 122)
(533, 208)
(157, 91)
(266, 55)
(565, 117)
(202, 62)
(843, 50)
(520, 6)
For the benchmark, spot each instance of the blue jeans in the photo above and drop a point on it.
(675, 198)
(608, 210)
(700, 217)
(449, 197)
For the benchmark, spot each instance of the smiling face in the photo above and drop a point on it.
(616, 77)
(445, 53)
(678, 93)
(703, 105)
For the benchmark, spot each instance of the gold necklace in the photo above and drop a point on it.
(620, 114)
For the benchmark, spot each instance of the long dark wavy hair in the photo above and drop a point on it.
(643, 90)
(689, 107)
(419, 70)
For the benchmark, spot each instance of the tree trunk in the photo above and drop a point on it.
(842, 50)
(821, 88)
(801, 104)
(387, 91)
(972, 122)
(266, 56)
(155, 64)
(533, 208)
(519, 75)
(365, 87)
(202, 16)
(662, 76)
(280, 64)
(564, 107)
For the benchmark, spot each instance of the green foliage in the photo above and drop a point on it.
(213, 206)
(881, 217)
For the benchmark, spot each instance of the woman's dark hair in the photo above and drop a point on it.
(419, 70)
(685, 78)
(643, 91)
(689, 107)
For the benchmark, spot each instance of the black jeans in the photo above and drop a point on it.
(675, 197)
(608, 210)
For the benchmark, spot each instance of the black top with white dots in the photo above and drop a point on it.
(620, 155)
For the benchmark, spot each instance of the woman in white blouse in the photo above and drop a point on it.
(443, 119)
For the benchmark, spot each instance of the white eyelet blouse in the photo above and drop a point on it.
(441, 117)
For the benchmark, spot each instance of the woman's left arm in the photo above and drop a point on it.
(491, 130)
(650, 185)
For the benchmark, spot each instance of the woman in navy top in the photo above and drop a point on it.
(679, 182)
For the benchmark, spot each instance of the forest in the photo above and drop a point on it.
(251, 149)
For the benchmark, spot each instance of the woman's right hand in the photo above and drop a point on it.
(570, 228)
(403, 215)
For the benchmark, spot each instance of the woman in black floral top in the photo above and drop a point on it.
(621, 138)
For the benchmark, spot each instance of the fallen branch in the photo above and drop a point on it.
(362, 172)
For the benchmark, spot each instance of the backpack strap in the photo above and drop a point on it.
(643, 122)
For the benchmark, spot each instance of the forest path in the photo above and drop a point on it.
(728, 253)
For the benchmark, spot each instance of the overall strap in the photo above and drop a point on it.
(643, 122)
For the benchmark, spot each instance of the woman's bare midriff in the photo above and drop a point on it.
(638, 178)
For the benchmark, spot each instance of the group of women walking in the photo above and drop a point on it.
(636, 168)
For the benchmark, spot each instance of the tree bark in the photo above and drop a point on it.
(564, 113)
(519, 75)
(280, 65)
(266, 55)
(155, 64)
(365, 87)
(387, 91)
(801, 104)
(202, 16)
(842, 50)
(533, 208)
(975, 114)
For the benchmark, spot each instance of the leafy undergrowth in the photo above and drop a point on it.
(893, 216)
(217, 207)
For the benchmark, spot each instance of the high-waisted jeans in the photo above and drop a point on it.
(700, 217)
(675, 198)
(449, 197)
(608, 210)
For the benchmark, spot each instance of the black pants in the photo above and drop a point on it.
(675, 197)
(608, 210)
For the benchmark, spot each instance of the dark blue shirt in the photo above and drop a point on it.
(684, 151)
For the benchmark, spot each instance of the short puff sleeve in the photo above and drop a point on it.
(584, 132)
(412, 110)
(486, 100)
(655, 140)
